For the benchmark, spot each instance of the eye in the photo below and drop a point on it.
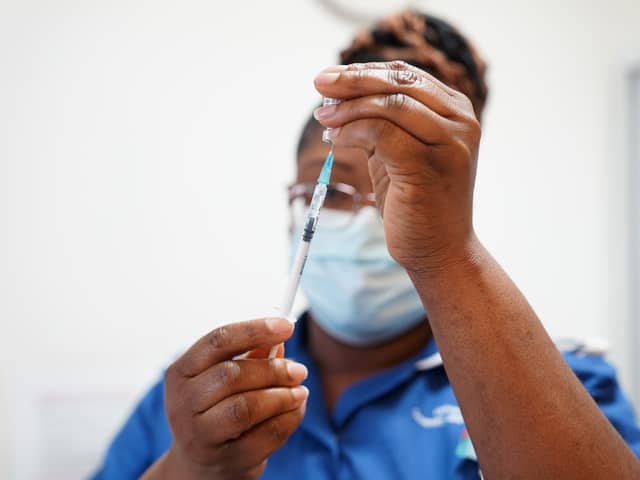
(338, 200)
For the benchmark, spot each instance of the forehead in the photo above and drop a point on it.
(350, 164)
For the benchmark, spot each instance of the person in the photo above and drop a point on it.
(418, 356)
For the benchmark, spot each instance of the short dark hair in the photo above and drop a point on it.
(424, 41)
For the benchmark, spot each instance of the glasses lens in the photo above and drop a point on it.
(338, 200)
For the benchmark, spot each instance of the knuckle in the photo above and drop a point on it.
(475, 130)
(470, 131)
(404, 77)
(359, 76)
(176, 373)
(464, 106)
(220, 338)
(395, 101)
(277, 431)
(240, 413)
(226, 373)
(464, 151)
(251, 330)
(398, 65)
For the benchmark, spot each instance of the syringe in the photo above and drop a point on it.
(309, 228)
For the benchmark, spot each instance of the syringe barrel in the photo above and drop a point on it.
(310, 223)
(319, 193)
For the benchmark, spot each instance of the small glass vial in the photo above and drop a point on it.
(328, 101)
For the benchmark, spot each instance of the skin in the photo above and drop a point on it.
(341, 365)
(414, 141)
(516, 393)
(227, 416)
(206, 390)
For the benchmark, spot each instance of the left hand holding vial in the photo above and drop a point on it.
(421, 138)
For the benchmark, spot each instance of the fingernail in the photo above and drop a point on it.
(300, 393)
(327, 78)
(334, 132)
(322, 113)
(297, 371)
(278, 325)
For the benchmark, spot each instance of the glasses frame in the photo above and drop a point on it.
(297, 190)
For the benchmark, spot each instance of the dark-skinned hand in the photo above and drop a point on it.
(421, 138)
(227, 413)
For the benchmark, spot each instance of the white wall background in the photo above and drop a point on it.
(134, 136)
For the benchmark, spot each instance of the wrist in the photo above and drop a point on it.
(448, 261)
(174, 466)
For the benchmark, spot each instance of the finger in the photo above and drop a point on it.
(225, 342)
(264, 439)
(393, 150)
(394, 65)
(398, 108)
(264, 352)
(236, 376)
(235, 415)
(360, 80)
(380, 137)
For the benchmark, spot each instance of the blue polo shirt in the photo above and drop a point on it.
(402, 423)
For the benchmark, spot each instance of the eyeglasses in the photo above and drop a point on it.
(340, 196)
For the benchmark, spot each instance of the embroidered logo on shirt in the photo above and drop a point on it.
(465, 448)
(440, 415)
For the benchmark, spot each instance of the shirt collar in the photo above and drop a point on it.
(296, 347)
(321, 423)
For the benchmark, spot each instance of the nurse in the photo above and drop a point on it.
(418, 357)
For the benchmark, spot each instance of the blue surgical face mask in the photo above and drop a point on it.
(356, 292)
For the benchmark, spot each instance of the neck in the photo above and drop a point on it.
(337, 358)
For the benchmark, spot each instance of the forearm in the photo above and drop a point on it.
(526, 412)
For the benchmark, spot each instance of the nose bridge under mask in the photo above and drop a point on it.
(351, 236)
